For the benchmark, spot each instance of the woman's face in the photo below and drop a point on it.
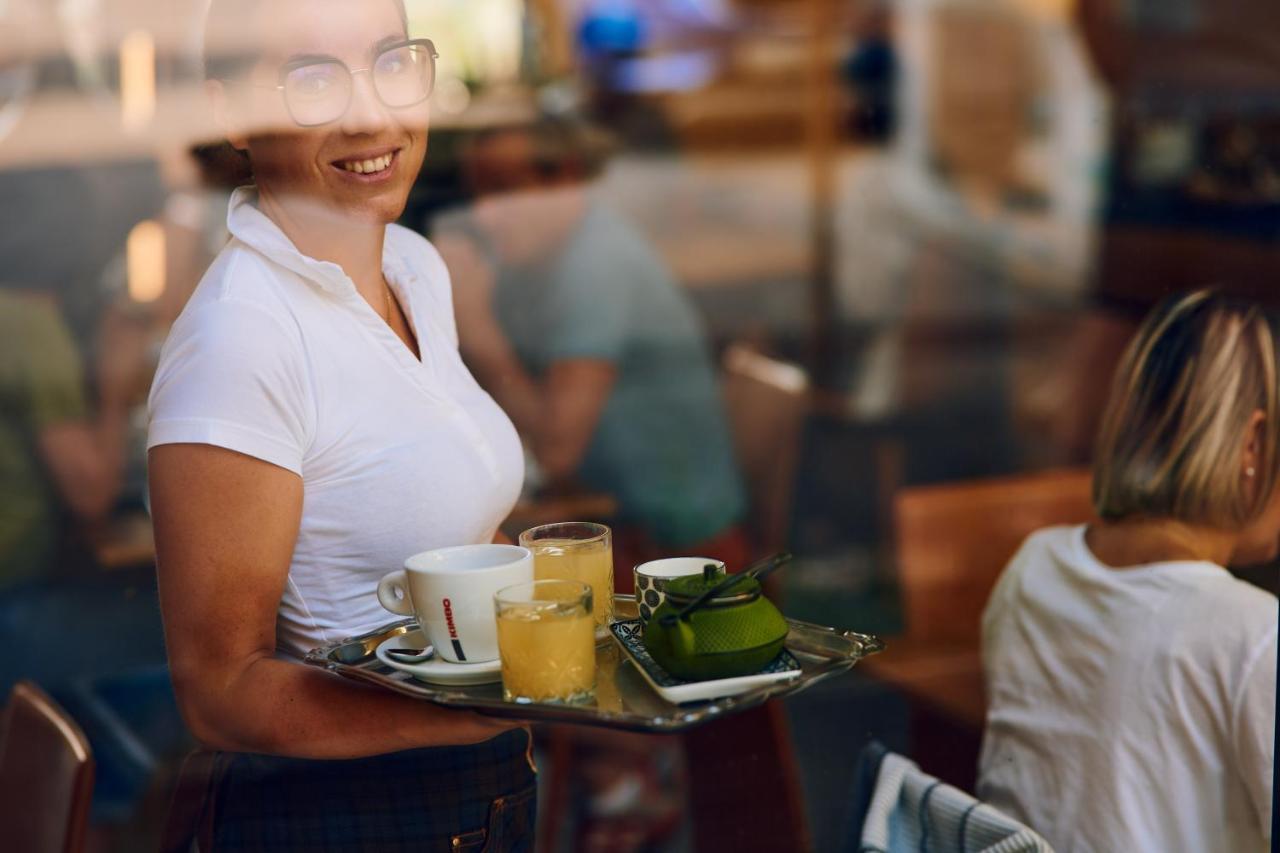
(318, 165)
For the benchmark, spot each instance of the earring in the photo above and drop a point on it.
(1249, 472)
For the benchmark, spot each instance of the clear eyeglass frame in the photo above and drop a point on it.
(332, 104)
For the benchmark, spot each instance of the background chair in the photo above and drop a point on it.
(896, 807)
(766, 402)
(46, 775)
(737, 759)
(952, 542)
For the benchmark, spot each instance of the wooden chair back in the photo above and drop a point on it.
(953, 540)
(766, 401)
(46, 775)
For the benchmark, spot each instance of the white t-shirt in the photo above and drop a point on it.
(1129, 709)
(278, 357)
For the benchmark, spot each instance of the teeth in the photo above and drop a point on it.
(367, 167)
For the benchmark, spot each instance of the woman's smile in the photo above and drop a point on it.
(373, 166)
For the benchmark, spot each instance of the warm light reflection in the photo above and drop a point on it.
(452, 95)
(1054, 10)
(145, 255)
(137, 79)
(484, 36)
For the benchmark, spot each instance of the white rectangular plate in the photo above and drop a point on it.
(629, 633)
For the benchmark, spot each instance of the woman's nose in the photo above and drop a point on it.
(366, 113)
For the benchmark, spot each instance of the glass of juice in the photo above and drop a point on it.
(546, 639)
(579, 551)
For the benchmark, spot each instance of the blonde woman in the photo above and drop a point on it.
(1131, 678)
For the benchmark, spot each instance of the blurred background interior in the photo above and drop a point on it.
(905, 238)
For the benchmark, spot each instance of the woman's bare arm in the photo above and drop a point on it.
(225, 530)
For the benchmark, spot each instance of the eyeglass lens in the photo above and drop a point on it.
(320, 92)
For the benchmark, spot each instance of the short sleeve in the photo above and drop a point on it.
(591, 307)
(233, 375)
(1255, 729)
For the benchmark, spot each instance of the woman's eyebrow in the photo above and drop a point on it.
(307, 58)
(387, 41)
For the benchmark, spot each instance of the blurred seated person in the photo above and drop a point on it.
(1131, 678)
(1193, 186)
(61, 453)
(571, 321)
(973, 218)
(871, 72)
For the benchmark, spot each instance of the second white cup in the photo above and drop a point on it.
(450, 590)
(652, 578)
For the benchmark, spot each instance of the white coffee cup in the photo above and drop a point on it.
(451, 590)
(652, 578)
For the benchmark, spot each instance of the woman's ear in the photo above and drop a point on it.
(221, 103)
(1251, 455)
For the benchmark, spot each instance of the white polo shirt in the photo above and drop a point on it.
(277, 356)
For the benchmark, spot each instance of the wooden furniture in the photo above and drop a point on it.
(746, 759)
(46, 775)
(734, 760)
(766, 401)
(953, 541)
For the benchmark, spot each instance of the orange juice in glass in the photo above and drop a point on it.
(546, 639)
(580, 551)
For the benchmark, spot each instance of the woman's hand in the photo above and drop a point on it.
(225, 530)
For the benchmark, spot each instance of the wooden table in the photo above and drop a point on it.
(947, 679)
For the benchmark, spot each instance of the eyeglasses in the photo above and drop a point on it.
(318, 91)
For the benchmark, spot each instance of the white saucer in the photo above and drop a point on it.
(437, 670)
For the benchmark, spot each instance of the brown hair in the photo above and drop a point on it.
(1182, 398)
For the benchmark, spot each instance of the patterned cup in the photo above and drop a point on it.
(652, 578)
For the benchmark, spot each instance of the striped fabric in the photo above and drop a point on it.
(911, 811)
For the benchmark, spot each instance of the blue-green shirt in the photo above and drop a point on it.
(662, 446)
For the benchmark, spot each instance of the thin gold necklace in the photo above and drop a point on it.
(386, 301)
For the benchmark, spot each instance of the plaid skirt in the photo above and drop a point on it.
(464, 798)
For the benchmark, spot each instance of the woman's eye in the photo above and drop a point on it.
(312, 84)
(391, 64)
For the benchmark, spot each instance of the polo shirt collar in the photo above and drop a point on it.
(255, 229)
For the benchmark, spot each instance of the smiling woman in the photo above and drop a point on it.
(312, 425)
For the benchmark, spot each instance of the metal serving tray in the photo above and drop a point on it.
(624, 700)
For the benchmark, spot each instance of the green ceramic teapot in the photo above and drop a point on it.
(735, 632)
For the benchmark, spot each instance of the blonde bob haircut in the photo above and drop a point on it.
(1173, 432)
